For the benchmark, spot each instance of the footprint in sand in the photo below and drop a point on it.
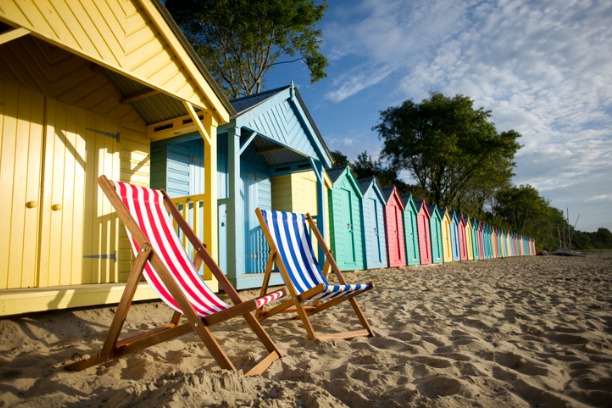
(439, 386)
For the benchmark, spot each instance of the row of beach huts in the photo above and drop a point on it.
(113, 88)
(398, 231)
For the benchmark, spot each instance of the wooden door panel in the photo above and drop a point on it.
(21, 133)
(78, 232)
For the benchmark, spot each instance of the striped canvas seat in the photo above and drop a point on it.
(293, 241)
(147, 208)
(148, 216)
(308, 288)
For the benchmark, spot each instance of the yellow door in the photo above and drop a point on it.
(21, 143)
(55, 226)
(78, 236)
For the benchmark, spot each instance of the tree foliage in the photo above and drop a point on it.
(386, 176)
(451, 149)
(339, 159)
(239, 41)
(521, 209)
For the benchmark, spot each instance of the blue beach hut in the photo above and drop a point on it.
(272, 135)
(455, 238)
(373, 223)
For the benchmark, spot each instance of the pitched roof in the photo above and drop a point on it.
(335, 173)
(387, 191)
(245, 103)
(365, 183)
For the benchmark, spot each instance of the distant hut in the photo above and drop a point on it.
(469, 244)
(486, 241)
(455, 236)
(394, 226)
(374, 235)
(447, 240)
(435, 229)
(345, 219)
(495, 242)
(423, 230)
(476, 239)
(410, 231)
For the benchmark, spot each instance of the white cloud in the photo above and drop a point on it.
(599, 198)
(544, 69)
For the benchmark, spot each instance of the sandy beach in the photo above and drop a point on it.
(514, 332)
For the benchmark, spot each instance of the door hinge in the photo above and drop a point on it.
(115, 136)
(112, 256)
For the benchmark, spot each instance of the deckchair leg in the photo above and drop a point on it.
(304, 317)
(213, 346)
(361, 317)
(114, 330)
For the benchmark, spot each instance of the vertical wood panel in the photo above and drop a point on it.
(21, 117)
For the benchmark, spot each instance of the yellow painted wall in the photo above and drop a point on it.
(62, 229)
(468, 240)
(297, 192)
(446, 238)
(61, 232)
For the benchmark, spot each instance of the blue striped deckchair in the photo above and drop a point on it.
(309, 292)
(148, 216)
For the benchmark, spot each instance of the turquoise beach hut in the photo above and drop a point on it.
(373, 223)
(475, 238)
(410, 231)
(435, 229)
(344, 200)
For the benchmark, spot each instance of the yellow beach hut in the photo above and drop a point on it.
(468, 238)
(85, 87)
(445, 224)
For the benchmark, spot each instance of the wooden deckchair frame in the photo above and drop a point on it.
(294, 303)
(113, 347)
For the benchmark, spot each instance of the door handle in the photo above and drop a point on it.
(32, 204)
(56, 207)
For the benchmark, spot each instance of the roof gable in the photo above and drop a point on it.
(421, 206)
(281, 116)
(433, 211)
(409, 203)
(342, 176)
(369, 186)
(391, 196)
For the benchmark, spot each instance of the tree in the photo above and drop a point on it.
(339, 159)
(386, 176)
(520, 207)
(451, 149)
(602, 238)
(239, 41)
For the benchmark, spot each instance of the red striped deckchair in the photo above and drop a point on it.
(291, 250)
(160, 257)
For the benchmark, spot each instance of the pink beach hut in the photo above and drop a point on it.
(423, 229)
(394, 226)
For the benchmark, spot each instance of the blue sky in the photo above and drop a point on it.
(544, 69)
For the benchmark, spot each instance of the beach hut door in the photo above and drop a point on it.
(347, 239)
(377, 249)
(56, 232)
